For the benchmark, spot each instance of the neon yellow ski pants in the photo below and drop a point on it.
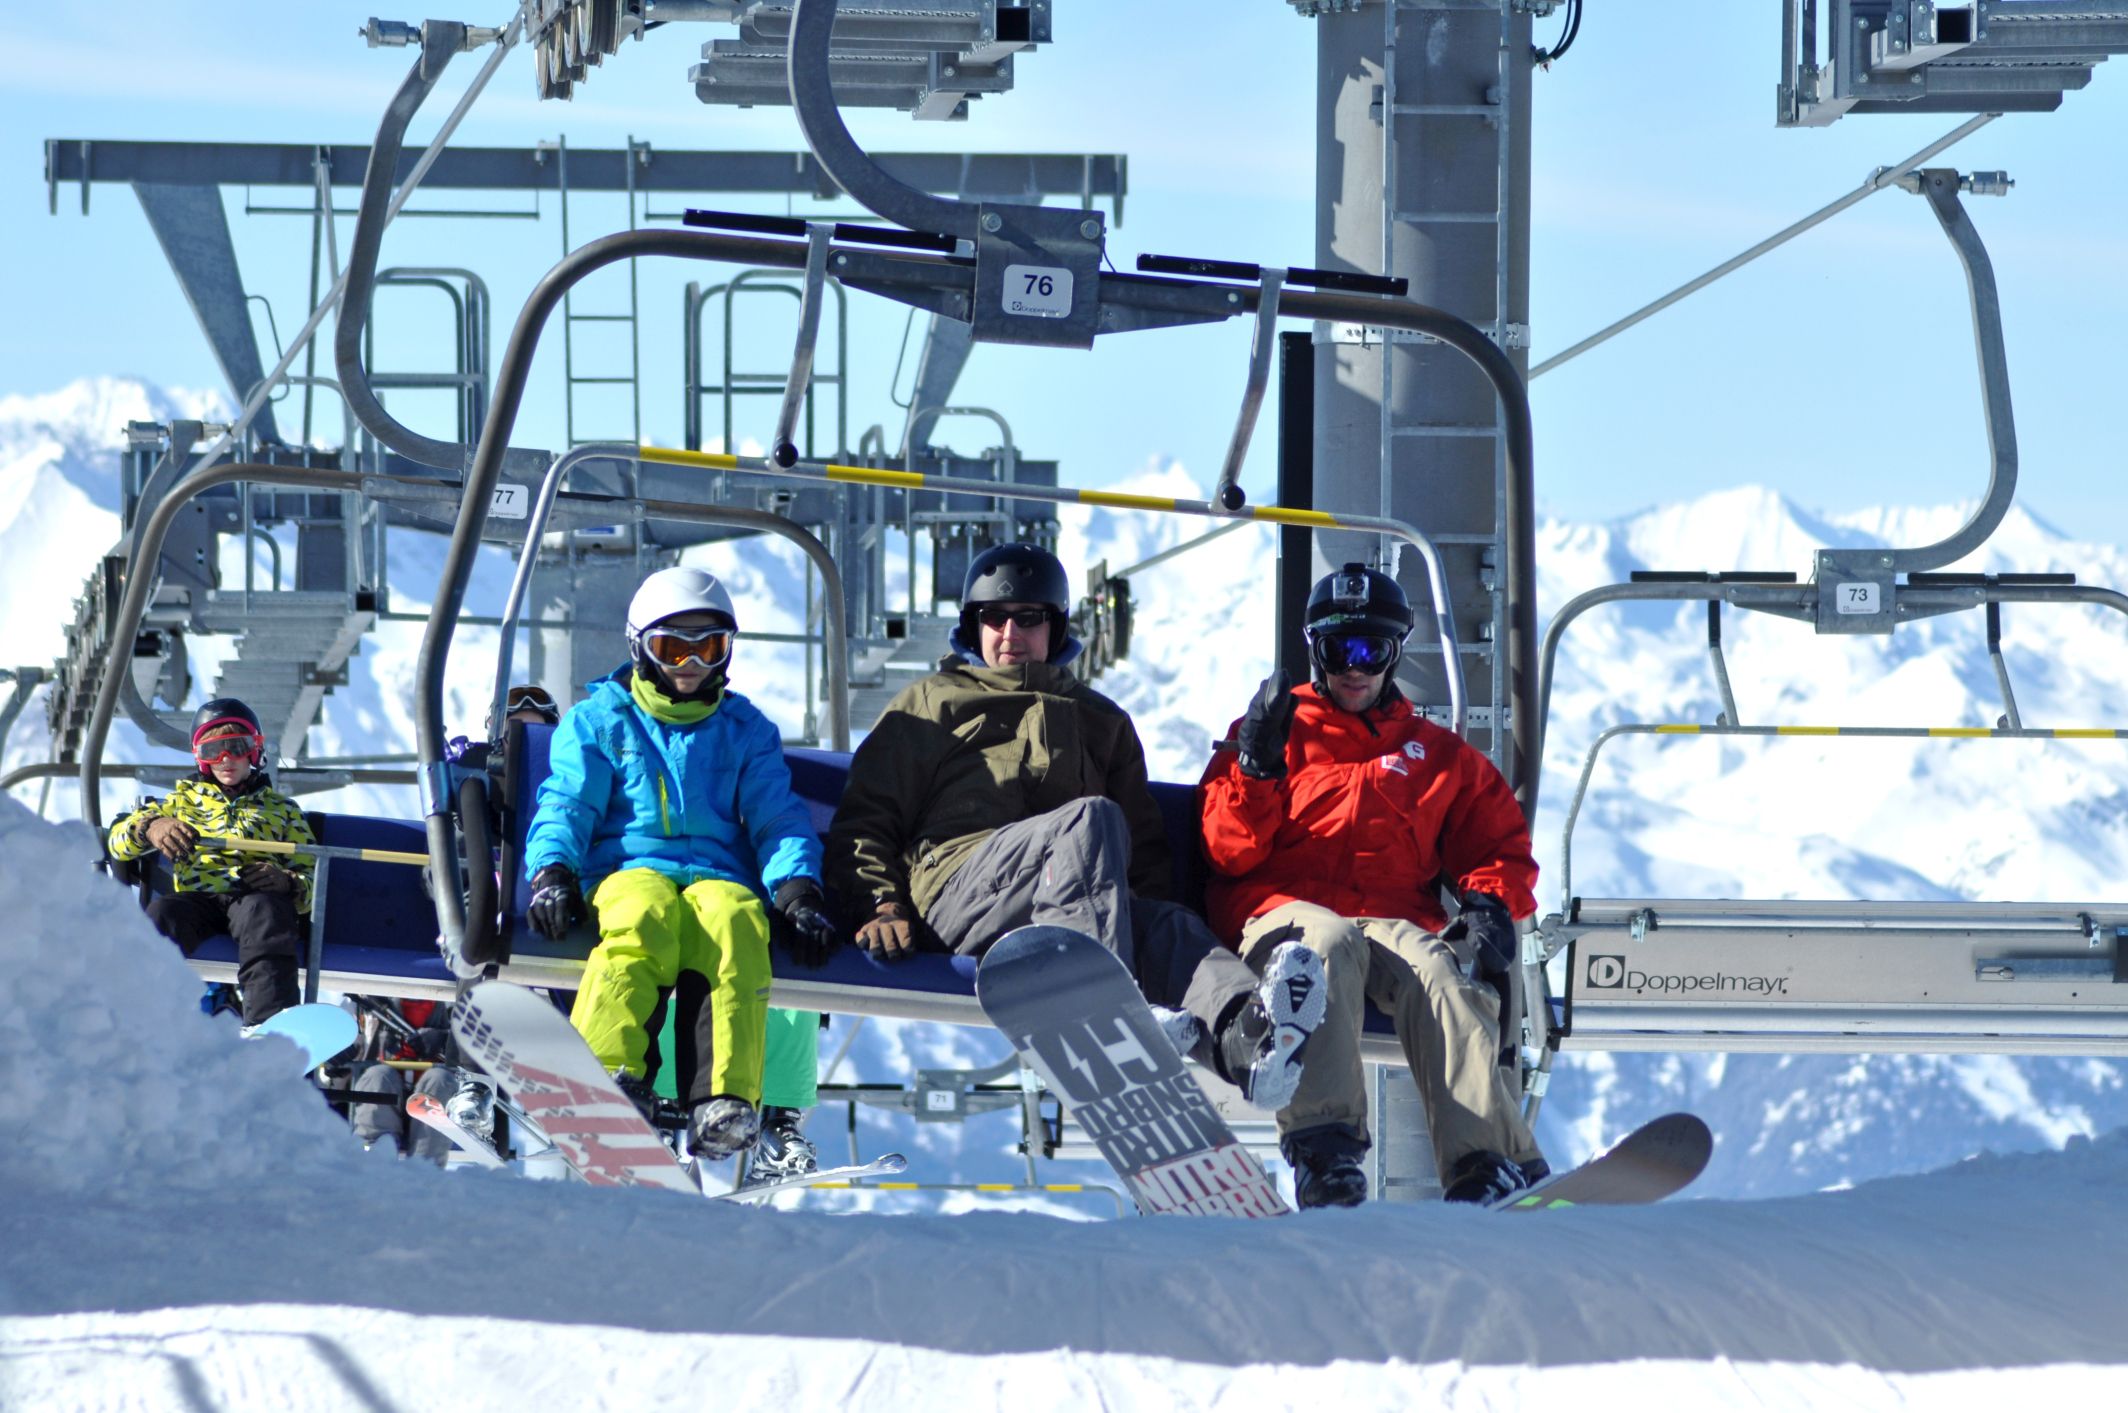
(649, 932)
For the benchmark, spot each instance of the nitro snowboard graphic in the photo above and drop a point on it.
(1078, 1019)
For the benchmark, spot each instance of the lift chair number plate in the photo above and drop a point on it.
(1860, 598)
(1037, 291)
(508, 502)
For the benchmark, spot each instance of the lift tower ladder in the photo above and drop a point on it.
(575, 384)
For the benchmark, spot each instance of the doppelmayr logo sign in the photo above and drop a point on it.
(1610, 972)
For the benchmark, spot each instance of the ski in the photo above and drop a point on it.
(1659, 1158)
(318, 1030)
(886, 1166)
(424, 1108)
(540, 1061)
(1078, 1020)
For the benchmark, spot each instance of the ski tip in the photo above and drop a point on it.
(891, 1163)
(1684, 1130)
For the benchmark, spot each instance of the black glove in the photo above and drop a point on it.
(428, 1043)
(1491, 930)
(1264, 729)
(267, 878)
(557, 902)
(809, 932)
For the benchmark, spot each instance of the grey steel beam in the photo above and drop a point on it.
(182, 164)
(193, 231)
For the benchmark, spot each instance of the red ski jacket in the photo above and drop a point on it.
(1375, 809)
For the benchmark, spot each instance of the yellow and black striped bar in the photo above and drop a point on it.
(1067, 495)
(330, 851)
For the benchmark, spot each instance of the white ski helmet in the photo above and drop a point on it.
(671, 592)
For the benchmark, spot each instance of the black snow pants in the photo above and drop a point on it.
(268, 940)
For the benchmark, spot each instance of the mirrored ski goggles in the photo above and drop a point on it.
(996, 617)
(676, 647)
(1370, 653)
(530, 698)
(223, 748)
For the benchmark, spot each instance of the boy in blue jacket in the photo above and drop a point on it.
(670, 805)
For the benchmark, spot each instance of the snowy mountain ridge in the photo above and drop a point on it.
(1813, 818)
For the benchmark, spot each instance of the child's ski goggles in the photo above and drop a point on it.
(676, 647)
(222, 748)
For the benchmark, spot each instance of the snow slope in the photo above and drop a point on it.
(190, 1228)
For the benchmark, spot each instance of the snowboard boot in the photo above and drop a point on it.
(1183, 1031)
(639, 1094)
(782, 1151)
(720, 1127)
(471, 1105)
(1326, 1167)
(1487, 1178)
(1264, 1044)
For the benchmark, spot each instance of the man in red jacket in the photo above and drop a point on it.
(1336, 823)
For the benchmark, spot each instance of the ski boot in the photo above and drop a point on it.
(1487, 1178)
(720, 1127)
(1326, 1167)
(782, 1151)
(1263, 1046)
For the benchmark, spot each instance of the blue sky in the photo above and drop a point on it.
(1838, 370)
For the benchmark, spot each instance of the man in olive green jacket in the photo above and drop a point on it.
(1001, 791)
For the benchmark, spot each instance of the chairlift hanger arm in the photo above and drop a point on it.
(440, 41)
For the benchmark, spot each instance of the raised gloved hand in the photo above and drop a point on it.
(557, 902)
(1263, 732)
(1491, 930)
(890, 935)
(808, 930)
(265, 877)
(172, 838)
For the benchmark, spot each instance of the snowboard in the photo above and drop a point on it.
(1076, 1017)
(532, 1051)
(319, 1031)
(886, 1166)
(1655, 1160)
(424, 1108)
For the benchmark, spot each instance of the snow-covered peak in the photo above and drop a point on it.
(93, 412)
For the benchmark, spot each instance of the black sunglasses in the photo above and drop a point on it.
(1028, 618)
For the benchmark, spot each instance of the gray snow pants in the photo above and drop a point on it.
(1447, 1024)
(1070, 867)
(374, 1121)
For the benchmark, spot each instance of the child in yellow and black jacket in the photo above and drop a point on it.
(256, 901)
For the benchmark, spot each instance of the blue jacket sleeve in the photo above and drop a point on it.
(778, 821)
(572, 798)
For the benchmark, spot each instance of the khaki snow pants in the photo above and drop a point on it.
(1448, 1025)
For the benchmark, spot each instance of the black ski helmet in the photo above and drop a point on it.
(1016, 573)
(228, 711)
(1357, 600)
